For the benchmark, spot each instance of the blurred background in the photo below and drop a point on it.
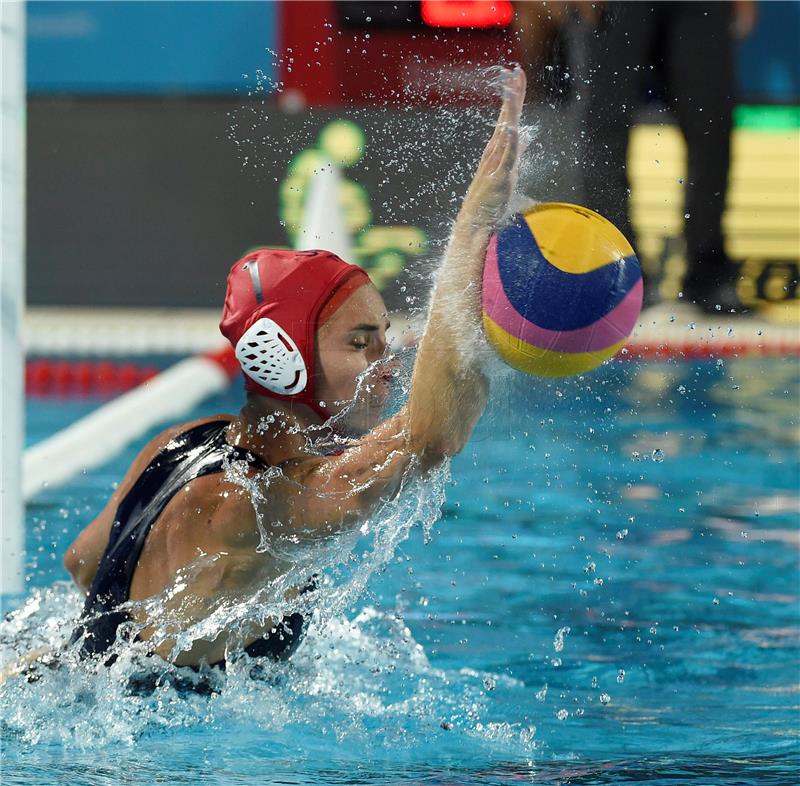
(166, 138)
(148, 145)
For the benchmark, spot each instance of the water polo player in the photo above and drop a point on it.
(305, 326)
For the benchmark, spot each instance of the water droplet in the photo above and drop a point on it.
(541, 695)
(562, 715)
(658, 455)
(622, 534)
(621, 675)
(604, 698)
(558, 641)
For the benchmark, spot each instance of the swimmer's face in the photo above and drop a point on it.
(348, 344)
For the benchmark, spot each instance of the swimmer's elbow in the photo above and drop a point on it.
(434, 448)
(436, 454)
(437, 434)
(76, 567)
(71, 562)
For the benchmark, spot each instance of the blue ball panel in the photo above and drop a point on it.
(551, 298)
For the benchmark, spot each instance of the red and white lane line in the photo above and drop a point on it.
(676, 331)
(668, 332)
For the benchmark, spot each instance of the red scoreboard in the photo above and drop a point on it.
(391, 53)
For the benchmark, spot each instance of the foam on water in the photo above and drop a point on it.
(365, 680)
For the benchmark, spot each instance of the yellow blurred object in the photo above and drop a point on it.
(343, 142)
(762, 219)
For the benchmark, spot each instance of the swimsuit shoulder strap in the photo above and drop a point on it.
(198, 451)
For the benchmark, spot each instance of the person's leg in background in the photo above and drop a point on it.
(538, 28)
(700, 76)
(617, 55)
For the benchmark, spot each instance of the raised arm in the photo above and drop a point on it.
(448, 389)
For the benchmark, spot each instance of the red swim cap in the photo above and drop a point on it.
(274, 304)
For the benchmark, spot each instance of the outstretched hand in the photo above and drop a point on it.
(449, 388)
(494, 182)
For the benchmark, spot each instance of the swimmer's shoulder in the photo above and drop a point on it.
(236, 510)
(157, 444)
(83, 555)
(161, 440)
(145, 456)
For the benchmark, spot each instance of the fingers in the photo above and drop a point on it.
(514, 84)
(515, 87)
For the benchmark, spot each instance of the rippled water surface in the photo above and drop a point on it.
(610, 596)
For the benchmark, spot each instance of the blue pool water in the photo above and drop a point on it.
(611, 595)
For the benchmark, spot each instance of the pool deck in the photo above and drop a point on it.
(670, 329)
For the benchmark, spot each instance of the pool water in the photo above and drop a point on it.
(610, 595)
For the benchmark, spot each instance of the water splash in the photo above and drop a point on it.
(365, 680)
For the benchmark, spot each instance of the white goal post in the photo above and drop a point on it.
(12, 277)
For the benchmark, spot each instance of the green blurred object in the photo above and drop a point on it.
(767, 118)
(381, 250)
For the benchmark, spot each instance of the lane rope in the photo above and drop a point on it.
(99, 436)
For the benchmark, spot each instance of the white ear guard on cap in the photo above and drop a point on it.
(268, 356)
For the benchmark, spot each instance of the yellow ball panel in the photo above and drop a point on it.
(544, 362)
(575, 239)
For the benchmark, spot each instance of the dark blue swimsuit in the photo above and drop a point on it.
(200, 451)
